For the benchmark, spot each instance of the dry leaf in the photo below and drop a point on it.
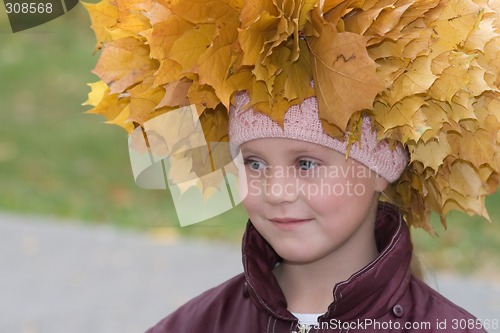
(103, 16)
(341, 64)
(118, 57)
(431, 153)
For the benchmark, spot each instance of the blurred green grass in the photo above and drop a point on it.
(57, 161)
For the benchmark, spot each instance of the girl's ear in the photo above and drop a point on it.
(380, 184)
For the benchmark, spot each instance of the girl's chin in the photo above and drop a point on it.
(297, 254)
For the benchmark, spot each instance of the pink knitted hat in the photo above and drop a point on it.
(302, 123)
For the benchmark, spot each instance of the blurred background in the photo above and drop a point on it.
(55, 160)
(58, 163)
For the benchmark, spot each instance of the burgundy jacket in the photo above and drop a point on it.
(382, 297)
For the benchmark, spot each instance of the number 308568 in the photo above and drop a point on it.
(28, 8)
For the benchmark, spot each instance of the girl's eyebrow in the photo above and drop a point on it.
(295, 151)
(247, 151)
(299, 151)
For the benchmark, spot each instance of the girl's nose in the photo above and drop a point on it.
(280, 187)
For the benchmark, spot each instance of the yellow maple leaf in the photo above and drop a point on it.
(118, 57)
(195, 161)
(203, 96)
(176, 93)
(97, 93)
(144, 100)
(295, 80)
(168, 71)
(388, 18)
(196, 11)
(436, 117)
(113, 107)
(478, 147)
(341, 63)
(477, 83)
(492, 50)
(274, 109)
(405, 120)
(154, 10)
(103, 16)
(456, 21)
(218, 63)
(464, 179)
(270, 36)
(360, 23)
(452, 79)
(130, 22)
(461, 107)
(188, 48)
(462, 189)
(252, 39)
(483, 32)
(122, 120)
(418, 45)
(416, 79)
(431, 153)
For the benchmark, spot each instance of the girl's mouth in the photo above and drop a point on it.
(289, 223)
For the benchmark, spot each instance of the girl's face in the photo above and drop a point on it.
(308, 201)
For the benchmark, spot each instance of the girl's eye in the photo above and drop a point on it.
(307, 164)
(253, 164)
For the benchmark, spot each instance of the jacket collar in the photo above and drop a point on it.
(370, 292)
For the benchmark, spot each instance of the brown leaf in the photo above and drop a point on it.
(176, 93)
(455, 23)
(452, 79)
(116, 60)
(388, 19)
(218, 63)
(203, 96)
(274, 109)
(144, 100)
(341, 63)
(165, 34)
(431, 153)
(188, 48)
(477, 147)
(168, 71)
(404, 121)
(294, 82)
(130, 22)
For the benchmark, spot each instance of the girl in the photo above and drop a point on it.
(404, 107)
(320, 252)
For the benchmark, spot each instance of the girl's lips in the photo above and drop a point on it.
(288, 220)
(289, 223)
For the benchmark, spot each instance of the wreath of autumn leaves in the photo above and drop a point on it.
(428, 71)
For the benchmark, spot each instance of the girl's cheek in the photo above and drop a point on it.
(250, 203)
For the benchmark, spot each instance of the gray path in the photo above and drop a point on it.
(58, 277)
